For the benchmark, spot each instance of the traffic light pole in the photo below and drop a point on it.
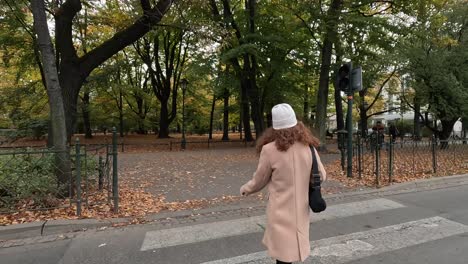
(349, 124)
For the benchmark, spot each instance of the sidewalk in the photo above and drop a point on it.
(31, 233)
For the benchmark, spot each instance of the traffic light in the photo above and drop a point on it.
(345, 78)
(356, 79)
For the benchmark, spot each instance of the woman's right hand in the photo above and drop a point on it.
(242, 191)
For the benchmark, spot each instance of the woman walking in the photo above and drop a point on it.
(285, 164)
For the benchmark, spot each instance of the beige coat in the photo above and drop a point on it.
(287, 175)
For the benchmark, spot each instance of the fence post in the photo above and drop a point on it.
(78, 177)
(100, 173)
(377, 161)
(390, 161)
(359, 152)
(107, 171)
(86, 177)
(115, 180)
(343, 154)
(434, 160)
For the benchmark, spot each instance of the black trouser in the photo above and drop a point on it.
(281, 262)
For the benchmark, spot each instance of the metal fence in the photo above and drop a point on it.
(171, 145)
(176, 145)
(392, 161)
(30, 179)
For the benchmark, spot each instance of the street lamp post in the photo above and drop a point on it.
(184, 83)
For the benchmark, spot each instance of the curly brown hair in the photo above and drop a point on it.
(285, 138)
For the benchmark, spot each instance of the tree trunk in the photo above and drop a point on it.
(141, 116)
(141, 127)
(326, 54)
(226, 116)
(50, 132)
(363, 117)
(447, 128)
(257, 115)
(338, 109)
(141, 124)
(322, 94)
(464, 129)
(240, 125)
(245, 112)
(269, 119)
(57, 113)
(210, 135)
(254, 97)
(416, 118)
(337, 95)
(306, 104)
(164, 120)
(362, 113)
(86, 119)
(71, 84)
(121, 119)
(251, 63)
(73, 69)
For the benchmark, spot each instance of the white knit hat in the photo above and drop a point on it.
(283, 116)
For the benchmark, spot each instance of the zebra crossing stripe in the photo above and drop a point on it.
(345, 248)
(204, 232)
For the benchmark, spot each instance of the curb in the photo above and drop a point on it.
(53, 230)
(413, 186)
(53, 227)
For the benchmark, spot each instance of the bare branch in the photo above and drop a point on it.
(310, 30)
(381, 89)
(384, 111)
(22, 22)
(230, 18)
(124, 38)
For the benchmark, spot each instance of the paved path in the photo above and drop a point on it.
(422, 226)
(197, 174)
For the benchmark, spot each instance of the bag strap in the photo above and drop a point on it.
(314, 173)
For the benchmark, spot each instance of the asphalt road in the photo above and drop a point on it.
(427, 227)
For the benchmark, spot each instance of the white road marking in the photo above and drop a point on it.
(345, 248)
(203, 232)
(341, 250)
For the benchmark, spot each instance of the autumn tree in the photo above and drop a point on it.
(437, 56)
(74, 69)
(164, 53)
(57, 112)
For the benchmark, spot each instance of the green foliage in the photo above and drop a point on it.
(29, 178)
(34, 128)
(437, 57)
(425, 40)
(404, 127)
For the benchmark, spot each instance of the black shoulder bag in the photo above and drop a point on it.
(316, 202)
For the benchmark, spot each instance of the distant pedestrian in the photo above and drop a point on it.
(393, 131)
(379, 129)
(285, 164)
